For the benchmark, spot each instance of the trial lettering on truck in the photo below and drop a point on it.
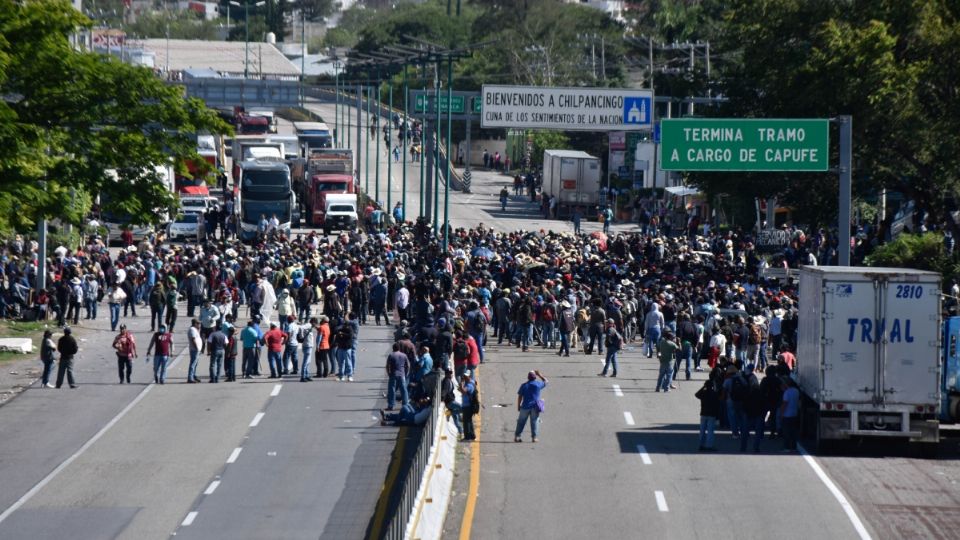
(870, 330)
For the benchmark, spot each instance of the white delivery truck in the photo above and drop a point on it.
(868, 358)
(573, 177)
(340, 212)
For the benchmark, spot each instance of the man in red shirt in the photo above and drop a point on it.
(276, 339)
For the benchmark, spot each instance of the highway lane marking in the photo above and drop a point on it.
(212, 487)
(187, 521)
(617, 391)
(628, 417)
(96, 437)
(661, 501)
(466, 525)
(837, 494)
(234, 455)
(644, 456)
(256, 419)
(276, 390)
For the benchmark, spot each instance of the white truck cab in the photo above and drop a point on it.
(341, 212)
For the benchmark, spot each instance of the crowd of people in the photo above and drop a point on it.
(694, 301)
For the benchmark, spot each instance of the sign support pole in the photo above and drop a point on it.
(846, 187)
(359, 132)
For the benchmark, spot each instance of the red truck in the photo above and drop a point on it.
(328, 171)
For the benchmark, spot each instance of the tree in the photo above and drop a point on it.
(181, 25)
(69, 116)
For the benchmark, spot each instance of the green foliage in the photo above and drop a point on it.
(921, 251)
(258, 29)
(547, 140)
(339, 37)
(77, 114)
(185, 24)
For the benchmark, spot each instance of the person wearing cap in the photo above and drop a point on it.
(114, 296)
(307, 336)
(566, 324)
(449, 397)
(76, 299)
(398, 370)
(210, 316)
(614, 341)
(530, 405)
(126, 347)
(752, 411)
(378, 297)
(326, 363)
(161, 345)
(653, 327)
(667, 347)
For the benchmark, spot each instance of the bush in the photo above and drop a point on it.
(921, 251)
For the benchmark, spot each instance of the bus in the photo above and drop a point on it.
(265, 190)
(312, 135)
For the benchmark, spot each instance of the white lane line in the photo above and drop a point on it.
(644, 456)
(256, 419)
(86, 446)
(837, 494)
(661, 501)
(187, 521)
(276, 390)
(628, 417)
(212, 487)
(617, 391)
(234, 455)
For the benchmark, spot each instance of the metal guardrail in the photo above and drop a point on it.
(415, 476)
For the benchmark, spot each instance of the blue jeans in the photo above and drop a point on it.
(90, 306)
(596, 336)
(707, 426)
(534, 415)
(250, 361)
(114, 316)
(216, 362)
(546, 335)
(750, 423)
(160, 368)
(454, 409)
(344, 365)
(392, 385)
(305, 365)
(733, 416)
(650, 344)
(564, 342)
(686, 354)
(526, 335)
(192, 370)
(274, 360)
(611, 360)
(663, 378)
(290, 353)
(478, 337)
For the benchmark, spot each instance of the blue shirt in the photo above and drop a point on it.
(791, 396)
(468, 390)
(530, 393)
(250, 337)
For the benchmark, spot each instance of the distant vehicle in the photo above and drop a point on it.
(329, 171)
(312, 135)
(196, 204)
(267, 113)
(340, 213)
(291, 145)
(116, 222)
(265, 190)
(950, 387)
(868, 360)
(187, 227)
(574, 178)
(196, 183)
(247, 148)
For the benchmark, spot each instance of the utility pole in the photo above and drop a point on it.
(366, 187)
(405, 139)
(389, 140)
(303, 49)
(336, 103)
(446, 179)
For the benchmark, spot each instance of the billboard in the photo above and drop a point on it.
(567, 109)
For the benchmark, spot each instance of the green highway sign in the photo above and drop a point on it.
(422, 100)
(477, 103)
(734, 144)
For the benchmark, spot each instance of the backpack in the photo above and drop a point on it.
(546, 313)
(302, 334)
(582, 316)
(613, 340)
(461, 349)
(739, 388)
(478, 323)
(567, 324)
(475, 400)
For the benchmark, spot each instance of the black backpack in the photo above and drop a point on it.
(739, 388)
(461, 349)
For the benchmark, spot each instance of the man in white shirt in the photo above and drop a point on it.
(195, 343)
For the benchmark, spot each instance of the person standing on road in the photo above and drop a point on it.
(48, 351)
(709, 412)
(398, 367)
(530, 405)
(157, 301)
(115, 296)
(614, 342)
(210, 316)
(126, 347)
(307, 336)
(668, 351)
(195, 346)
(343, 340)
(325, 364)
(217, 346)
(504, 197)
(576, 217)
(469, 406)
(68, 348)
(162, 345)
(653, 327)
(449, 397)
(790, 412)
(290, 363)
(91, 291)
(753, 411)
(171, 307)
(230, 356)
(251, 340)
(275, 340)
(566, 323)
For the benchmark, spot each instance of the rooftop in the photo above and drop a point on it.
(220, 56)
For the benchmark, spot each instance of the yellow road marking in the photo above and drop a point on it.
(467, 524)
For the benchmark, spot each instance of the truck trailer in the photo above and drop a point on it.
(573, 177)
(868, 361)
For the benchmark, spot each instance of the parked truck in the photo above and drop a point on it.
(573, 177)
(868, 353)
(328, 171)
(254, 148)
(340, 212)
(950, 372)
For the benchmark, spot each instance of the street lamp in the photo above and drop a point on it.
(246, 33)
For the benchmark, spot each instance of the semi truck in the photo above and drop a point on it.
(265, 191)
(573, 177)
(312, 135)
(328, 171)
(254, 148)
(868, 362)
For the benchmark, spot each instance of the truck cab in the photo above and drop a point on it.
(321, 187)
(340, 213)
